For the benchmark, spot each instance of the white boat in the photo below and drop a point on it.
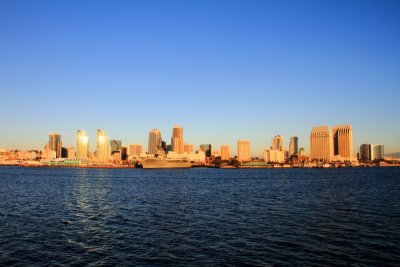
(161, 163)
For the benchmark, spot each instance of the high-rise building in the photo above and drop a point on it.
(55, 144)
(82, 145)
(293, 145)
(115, 145)
(364, 152)
(225, 152)
(135, 150)
(154, 144)
(188, 148)
(274, 156)
(207, 149)
(377, 152)
(278, 143)
(343, 141)
(321, 144)
(177, 139)
(243, 150)
(103, 150)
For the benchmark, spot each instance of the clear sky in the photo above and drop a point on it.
(224, 70)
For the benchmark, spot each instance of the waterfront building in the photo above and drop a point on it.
(207, 149)
(115, 145)
(177, 139)
(225, 152)
(55, 144)
(377, 152)
(293, 145)
(321, 144)
(135, 150)
(154, 144)
(71, 152)
(82, 145)
(278, 143)
(274, 156)
(188, 148)
(364, 152)
(243, 150)
(343, 142)
(103, 150)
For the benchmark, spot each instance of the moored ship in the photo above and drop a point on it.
(161, 163)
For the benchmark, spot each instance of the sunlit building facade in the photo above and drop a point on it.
(154, 144)
(177, 140)
(278, 143)
(321, 144)
(82, 145)
(188, 148)
(103, 150)
(377, 152)
(55, 144)
(115, 145)
(243, 150)
(343, 142)
(135, 150)
(225, 152)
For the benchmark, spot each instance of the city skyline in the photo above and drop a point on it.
(223, 70)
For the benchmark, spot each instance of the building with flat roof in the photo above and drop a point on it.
(321, 144)
(82, 145)
(343, 142)
(243, 150)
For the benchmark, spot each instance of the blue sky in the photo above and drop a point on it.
(224, 70)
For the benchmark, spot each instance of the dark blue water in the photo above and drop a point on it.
(205, 217)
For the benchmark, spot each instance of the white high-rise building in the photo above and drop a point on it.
(377, 152)
(103, 149)
(82, 145)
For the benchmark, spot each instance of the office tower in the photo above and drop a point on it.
(274, 156)
(293, 145)
(103, 150)
(321, 144)
(154, 144)
(82, 145)
(343, 141)
(115, 145)
(188, 148)
(278, 143)
(177, 139)
(377, 152)
(243, 150)
(124, 152)
(225, 152)
(55, 144)
(135, 150)
(207, 149)
(364, 152)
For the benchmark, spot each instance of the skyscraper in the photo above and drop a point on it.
(243, 150)
(364, 152)
(55, 144)
(82, 145)
(278, 143)
(343, 141)
(377, 152)
(154, 144)
(293, 145)
(321, 144)
(207, 149)
(115, 145)
(225, 152)
(103, 150)
(177, 139)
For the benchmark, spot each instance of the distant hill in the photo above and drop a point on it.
(393, 155)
